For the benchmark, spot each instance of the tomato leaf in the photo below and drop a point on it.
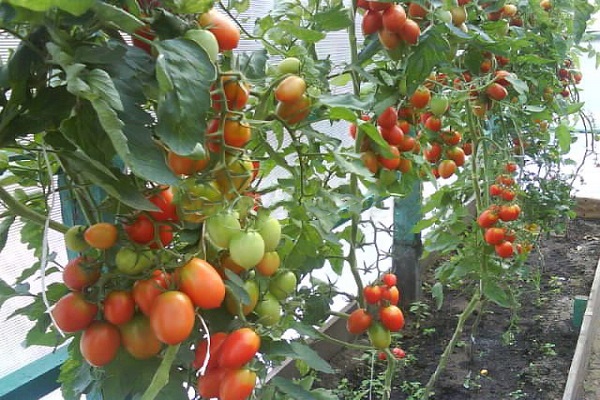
(304, 34)
(333, 19)
(115, 16)
(185, 73)
(347, 100)
(311, 357)
(291, 388)
(497, 294)
(437, 292)
(563, 136)
(253, 65)
(6, 292)
(433, 48)
(4, 229)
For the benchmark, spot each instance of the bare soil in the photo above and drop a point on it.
(530, 361)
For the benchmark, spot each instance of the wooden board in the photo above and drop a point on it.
(587, 208)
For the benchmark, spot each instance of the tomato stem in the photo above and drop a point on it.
(161, 376)
(24, 212)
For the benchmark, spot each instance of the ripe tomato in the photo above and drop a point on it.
(236, 133)
(508, 195)
(119, 307)
(391, 294)
(283, 284)
(416, 11)
(239, 347)
(269, 264)
(369, 159)
(293, 113)
(372, 294)
(140, 230)
(392, 318)
(147, 33)
(505, 249)
(224, 29)
(200, 352)
(268, 310)
(101, 236)
(139, 339)
(392, 162)
(495, 190)
(236, 92)
(468, 148)
(394, 18)
(433, 123)
(172, 317)
(202, 283)
(451, 138)
(133, 262)
(208, 384)
(405, 165)
(388, 118)
(487, 218)
(410, 33)
(235, 306)
(510, 236)
(390, 40)
(389, 279)
(494, 235)
(74, 238)
(408, 143)
(80, 273)
(237, 384)
(457, 155)
(182, 165)
(433, 152)
(247, 248)
(372, 22)
(509, 212)
(269, 229)
(496, 91)
(99, 343)
(146, 290)
(73, 312)
(447, 168)
(163, 199)
(359, 321)
(379, 5)
(510, 167)
(506, 180)
(290, 89)
(380, 337)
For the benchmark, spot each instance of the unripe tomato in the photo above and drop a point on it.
(283, 284)
(237, 384)
(101, 236)
(379, 336)
(247, 248)
(139, 339)
(269, 229)
(74, 238)
(99, 343)
(268, 310)
(239, 347)
(119, 307)
(147, 290)
(439, 104)
(202, 283)
(269, 264)
(73, 312)
(235, 177)
(224, 29)
(392, 318)
(359, 321)
(200, 352)
(205, 39)
(235, 306)
(459, 15)
(221, 227)
(289, 65)
(80, 273)
(197, 201)
(291, 89)
(172, 317)
(133, 262)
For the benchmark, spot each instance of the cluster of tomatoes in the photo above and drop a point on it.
(494, 220)
(390, 22)
(381, 316)
(293, 104)
(566, 75)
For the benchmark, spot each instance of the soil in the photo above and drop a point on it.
(530, 361)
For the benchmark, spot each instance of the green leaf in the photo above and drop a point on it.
(497, 294)
(355, 166)
(4, 229)
(341, 80)
(185, 74)
(311, 357)
(292, 389)
(304, 34)
(6, 292)
(333, 19)
(189, 6)
(253, 65)
(437, 292)
(517, 84)
(574, 107)
(433, 49)
(563, 136)
(583, 12)
(337, 113)
(115, 16)
(103, 87)
(76, 8)
(347, 100)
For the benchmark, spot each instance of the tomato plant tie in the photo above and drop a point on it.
(202, 369)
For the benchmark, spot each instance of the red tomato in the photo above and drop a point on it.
(505, 249)
(391, 294)
(508, 195)
(293, 113)
(447, 168)
(372, 22)
(182, 165)
(80, 273)
(147, 290)
(237, 384)
(388, 118)
(369, 159)
(172, 317)
(208, 384)
(509, 212)
(494, 235)
(101, 235)
(379, 5)
(139, 339)
(236, 133)
(451, 138)
(392, 162)
(487, 218)
(394, 136)
(147, 33)
(405, 165)
(398, 352)
(495, 190)
(392, 318)
(506, 180)
(73, 312)
(394, 18)
(511, 167)
(140, 230)
(510, 236)
(457, 155)
(389, 279)
(239, 348)
(200, 352)
(390, 40)
(164, 201)
(358, 321)
(119, 307)
(291, 89)
(496, 91)
(433, 123)
(202, 283)
(408, 143)
(236, 92)
(372, 294)
(416, 11)
(99, 343)
(410, 33)
(225, 30)
(468, 148)
(433, 152)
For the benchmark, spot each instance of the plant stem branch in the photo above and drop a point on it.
(161, 377)
(24, 212)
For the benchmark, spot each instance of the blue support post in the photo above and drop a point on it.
(407, 245)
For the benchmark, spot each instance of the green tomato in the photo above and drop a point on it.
(268, 310)
(206, 40)
(439, 104)
(74, 238)
(444, 15)
(290, 65)
(379, 336)
(270, 230)
(247, 248)
(132, 262)
(283, 284)
(222, 227)
(233, 304)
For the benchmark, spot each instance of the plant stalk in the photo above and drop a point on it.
(24, 212)
(161, 376)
